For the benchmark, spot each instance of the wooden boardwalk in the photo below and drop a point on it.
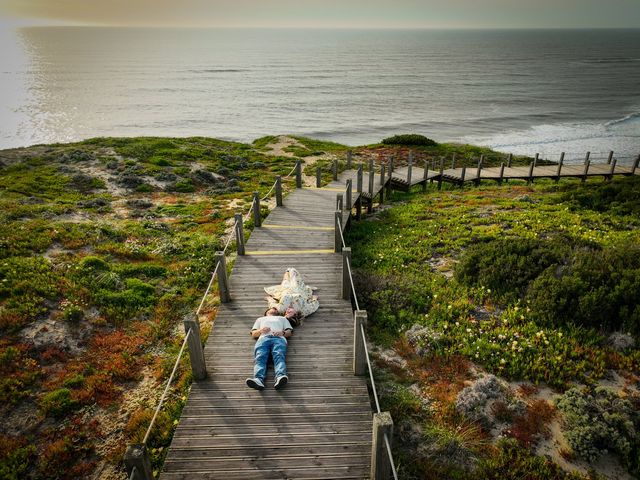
(470, 174)
(319, 426)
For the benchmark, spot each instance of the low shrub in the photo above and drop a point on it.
(599, 421)
(16, 454)
(598, 288)
(410, 139)
(508, 266)
(564, 281)
(514, 463)
(395, 302)
(18, 373)
(182, 186)
(619, 197)
(58, 403)
(124, 305)
(73, 314)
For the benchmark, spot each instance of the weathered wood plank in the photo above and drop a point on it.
(319, 426)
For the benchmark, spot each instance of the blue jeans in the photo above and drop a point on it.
(265, 346)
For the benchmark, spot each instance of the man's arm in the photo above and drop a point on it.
(256, 332)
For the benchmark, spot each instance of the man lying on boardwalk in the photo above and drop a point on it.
(272, 332)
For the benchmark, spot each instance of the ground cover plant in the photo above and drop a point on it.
(536, 285)
(104, 246)
(409, 139)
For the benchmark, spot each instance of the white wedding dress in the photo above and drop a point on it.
(292, 293)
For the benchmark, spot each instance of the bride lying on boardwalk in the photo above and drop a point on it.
(292, 297)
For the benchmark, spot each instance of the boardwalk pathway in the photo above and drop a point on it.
(459, 176)
(320, 425)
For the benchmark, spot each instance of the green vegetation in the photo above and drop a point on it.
(321, 146)
(525, 282)
(15, 455)
(562, 281)
(600, 421)
(262, 142)
(104, 246)
(58, 402)
(411, 139)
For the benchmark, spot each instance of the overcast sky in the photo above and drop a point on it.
(328, 13)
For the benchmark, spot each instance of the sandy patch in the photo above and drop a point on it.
(278, 149)
(112, 424)
(442, 265)
(554, 446)
(46, 332)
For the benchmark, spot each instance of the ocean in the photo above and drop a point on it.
(519, 91)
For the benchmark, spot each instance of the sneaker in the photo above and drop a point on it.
(281, 382)
(255, 383)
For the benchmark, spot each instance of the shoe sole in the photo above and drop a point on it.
(281, 384)
(253, 384)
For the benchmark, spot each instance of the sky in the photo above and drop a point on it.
(327, 13)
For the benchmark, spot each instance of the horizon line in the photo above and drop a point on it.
(262, 27)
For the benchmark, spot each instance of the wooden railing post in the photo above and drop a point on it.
(349, 157)
(359, 355)
(340, 202)
(239, 233)
(298, 174)
(380, 464)
(560, 162)
(613, 168)
(223, 283)
(501, 173)
(389, 180)
(337, 241)
(425, 176)
(382, 178)
(334, 170)
(453, 161)
(409, 169)
(535, 160)
(278, 191)
(586, 171)
(349, 203)
(479, 171)
(462, 175)
(530, 180)
(318, 177)
(392, 160)
(137, 456)
(196, 352)
(587, 157)
(257, 220)
(610, 157)
(509, 160)
(635, 165)
(371, 178)
(441, 173)
(359, 179)
(346, 283)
